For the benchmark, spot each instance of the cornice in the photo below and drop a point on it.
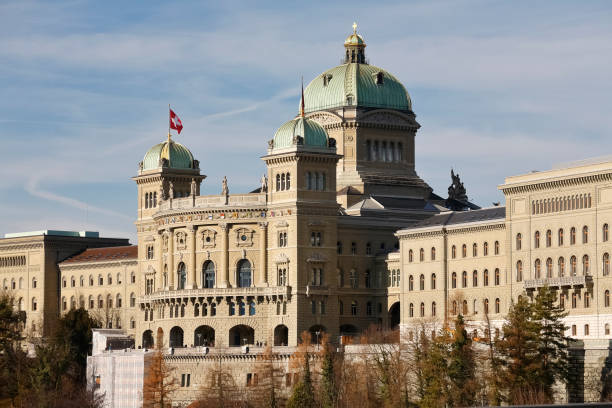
(553, 184)
(20, 247)
(97, 264)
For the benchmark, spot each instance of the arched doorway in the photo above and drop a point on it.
(176, 337)
(316, 333)
(208, 275)
(243, 274)
(241, 335)
(394, 316)
(181, 276)
(204, 336)
(147, 339)
(281, 335)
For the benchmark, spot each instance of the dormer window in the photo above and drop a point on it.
(349, 100)
(379, 78)
(326, 79)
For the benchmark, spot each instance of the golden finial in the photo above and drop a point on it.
(354, 28)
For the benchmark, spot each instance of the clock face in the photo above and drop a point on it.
(207, 239)
(243, 237)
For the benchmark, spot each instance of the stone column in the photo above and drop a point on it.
(191, 278)
(171, 259)
(263, 246)
(159, 285)
(224, 270)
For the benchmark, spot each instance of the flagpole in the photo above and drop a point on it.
(169, 123)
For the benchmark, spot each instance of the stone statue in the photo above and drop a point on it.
(456, 190)
(224, 189)
(162, 197)
(264, 184)
(171, 190)
(140, 166)
(193, 187)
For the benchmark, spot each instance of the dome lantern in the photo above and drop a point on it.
(354, 48)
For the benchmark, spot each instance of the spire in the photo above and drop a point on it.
(302, 108)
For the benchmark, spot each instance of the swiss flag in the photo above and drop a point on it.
(175, 122)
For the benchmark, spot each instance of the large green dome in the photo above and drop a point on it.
(356, 84)
(177, 156)
(311, 133)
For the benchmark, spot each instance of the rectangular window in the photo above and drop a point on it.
(573, 330)
(316, 239)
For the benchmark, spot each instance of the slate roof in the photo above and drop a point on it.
(463, 217)
(118, 253)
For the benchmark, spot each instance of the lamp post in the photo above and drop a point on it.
(318, 332)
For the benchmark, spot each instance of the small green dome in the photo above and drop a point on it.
(312, 134)
(177, 156)
(354, 39)
(355, 84)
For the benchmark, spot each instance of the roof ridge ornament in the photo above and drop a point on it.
(354, 27)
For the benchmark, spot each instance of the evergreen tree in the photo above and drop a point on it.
(519, 358)
(302, 395)
(329, 391)
(435, 371)
(552, 342)
(462, 367)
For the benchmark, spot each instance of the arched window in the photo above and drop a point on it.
(497, 277)
(464, 250)
(433, 254)
(181, 273)
(278, 181)
(607, 298)
(454, 280)
(421, 255)
(485, 303)
(548, 238)
(422, 310)
(549, 268)
(574, 300)
(465, 307)
(562, 300)
(497, 305)
(132, 300)
(573, 236)
(496, 247)
(585, 234)
(433, 309)
(208, 275)
(410, 256)
(91, 280)
(433, 281)
(146, 200)
(475, 278)
(283, 182)
(118, 301)
(454, 252)
(464, 279)
(587, 300)
(422, 282)
(454, 310)
(244, 274)
(485, 277)
(519, 241)
(561, 263)
(605, 233)
(536, 239)
(519, 271)
(538, 269)
(585, 265)
(573, 268)
(560, 236)
(474, 249)
(485, 249)
(607, 329)
(411, 310)
(354, 308)
(410, 283)
(288, 181)
(91, 302)
(100, 302)
(606, 264)
(34, 304)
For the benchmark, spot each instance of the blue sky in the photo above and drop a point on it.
(499, 87)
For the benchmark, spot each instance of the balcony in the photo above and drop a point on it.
(271, 291)
(559, 282)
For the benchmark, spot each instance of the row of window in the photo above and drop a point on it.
(354, 279)
(283, 181)
(150, 200)
(573, 269)
(560, 237)
(454, 308)
(432, 252)
(111, 301)
(394, 278)
(558, 204)
(109, 280)
(355, 308)
(384, 151)
(315, 181)
(464, 279)
(243, 275)
(368, 247)
(9, 261)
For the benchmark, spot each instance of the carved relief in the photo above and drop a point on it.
(181, 240)
(208, 238)
(165, 242)
(385, 118)
(325, 118)
(244, 237)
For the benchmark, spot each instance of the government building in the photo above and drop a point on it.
(340, 235)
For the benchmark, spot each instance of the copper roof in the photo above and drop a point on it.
(105, 254)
